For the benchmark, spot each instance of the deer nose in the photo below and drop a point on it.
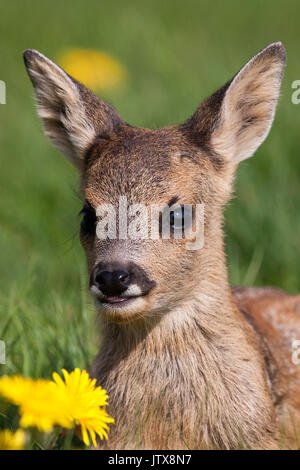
(112, 283)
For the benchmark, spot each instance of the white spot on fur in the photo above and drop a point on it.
(97, 292)
(132, 291)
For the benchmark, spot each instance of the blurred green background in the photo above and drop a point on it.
(176, 53)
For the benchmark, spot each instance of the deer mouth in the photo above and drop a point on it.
(118, 300)
(121, 308)
(124, 306)
(108, 302)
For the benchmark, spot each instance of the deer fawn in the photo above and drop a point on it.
(187, 361)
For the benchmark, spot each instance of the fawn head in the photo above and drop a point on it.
(127, 171)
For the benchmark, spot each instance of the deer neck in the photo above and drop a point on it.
(198, 363)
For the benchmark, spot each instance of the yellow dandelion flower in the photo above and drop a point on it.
(74, 401)
(41, 404)
(12, 440)
(86, 404)
(97, 70)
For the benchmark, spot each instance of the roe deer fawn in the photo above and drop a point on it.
(187, 361)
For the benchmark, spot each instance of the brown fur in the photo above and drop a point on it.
(189, 365)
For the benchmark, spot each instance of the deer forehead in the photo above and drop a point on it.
(147, 166)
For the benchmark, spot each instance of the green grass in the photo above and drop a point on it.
(176, 54)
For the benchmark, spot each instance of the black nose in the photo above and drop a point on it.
(112, 283)
(112, 278)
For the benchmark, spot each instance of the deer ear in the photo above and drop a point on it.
(71, 114)
(236, 119)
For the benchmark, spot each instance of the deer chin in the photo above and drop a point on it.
(123, 309)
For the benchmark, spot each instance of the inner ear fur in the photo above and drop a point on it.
(235, 120)
(72, 115)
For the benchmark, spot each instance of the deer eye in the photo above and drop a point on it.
(177, 217)
(181, 218)
(88, 221)
(176, 220)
